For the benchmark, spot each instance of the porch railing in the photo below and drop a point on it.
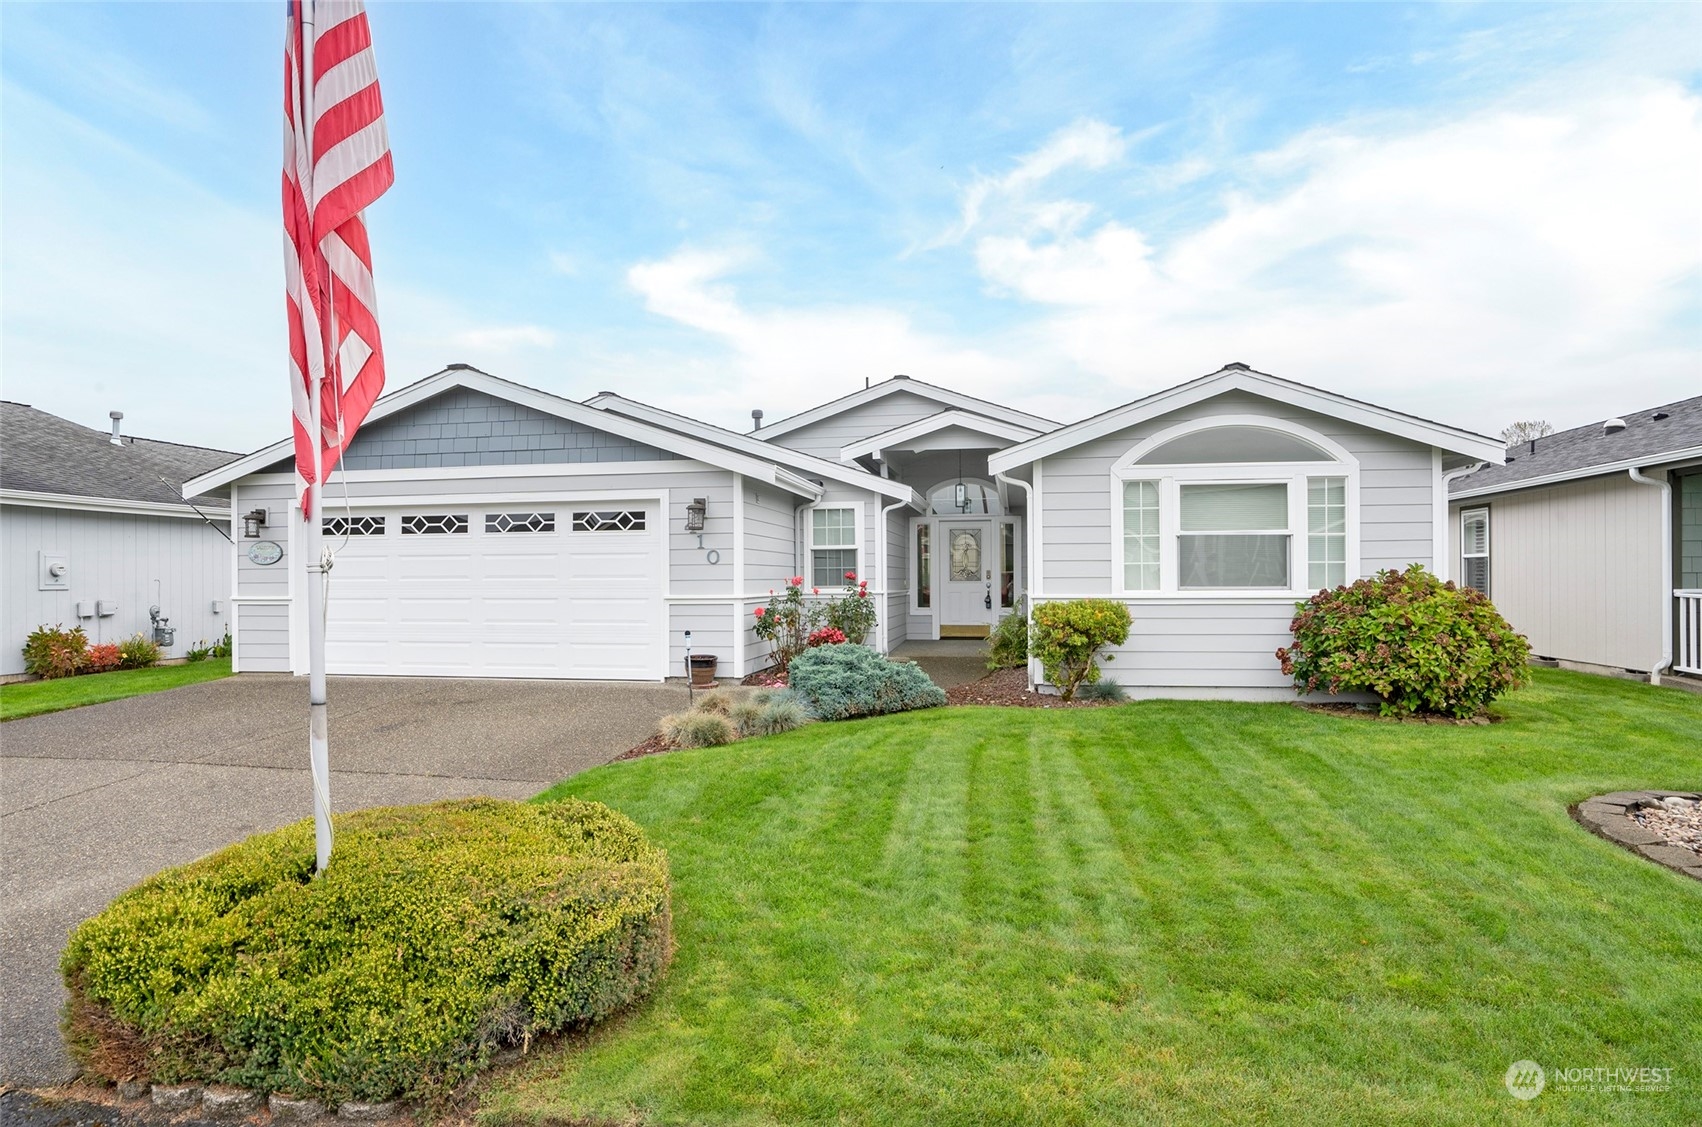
(1688, 658)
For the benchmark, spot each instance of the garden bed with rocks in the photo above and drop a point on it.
(1663, 826)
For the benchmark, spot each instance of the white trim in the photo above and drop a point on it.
(1336, 451)
(914, 567)
(1266, 386)
(915, 387)
(462, 473)
(1487, 554)
(1660, 458)
(882, 551)
(808, 463)
(1664, 484)
(625, 427)
(876, 445)
(738, 579)
(35, 499)
(235, 574)
(859, 541)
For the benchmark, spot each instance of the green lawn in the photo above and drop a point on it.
(30, 698)
(1157, 913)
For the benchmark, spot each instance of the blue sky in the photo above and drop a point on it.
(1474, 212)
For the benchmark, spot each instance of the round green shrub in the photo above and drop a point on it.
(697, 729)
(1067, 637)
(437, 934)
(1419, 644)
(841, 682)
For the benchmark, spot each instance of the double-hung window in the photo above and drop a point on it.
(833, 546)
(1474, 549)
(1236, 506)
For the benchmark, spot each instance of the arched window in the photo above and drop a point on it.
(1244, 503)
(965, 497)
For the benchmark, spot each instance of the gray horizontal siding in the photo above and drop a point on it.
(826, 437)
(181, 565)
(1395, 494)
(1194, 646)
(263, 637)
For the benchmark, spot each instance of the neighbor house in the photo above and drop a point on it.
(483, 528)
(1590, 541)
(95, 532)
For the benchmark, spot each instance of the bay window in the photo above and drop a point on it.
(833, 546)
(1236, 505)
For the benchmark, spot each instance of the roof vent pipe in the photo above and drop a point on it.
(1613, 426)
(756, 419)
(116, 417)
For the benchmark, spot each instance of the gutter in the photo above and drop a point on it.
(1443, 536)
(1031, 564)
(881, 560)
(1665, 486)
(1658, 458)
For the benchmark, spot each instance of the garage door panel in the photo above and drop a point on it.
(564, 603)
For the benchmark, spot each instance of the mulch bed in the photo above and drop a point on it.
(1009, 687)
(655, 745)
(766, 679)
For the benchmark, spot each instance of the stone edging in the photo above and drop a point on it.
(1609, 816)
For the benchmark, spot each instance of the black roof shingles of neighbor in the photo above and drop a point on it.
(44, 453)
(1648, 434)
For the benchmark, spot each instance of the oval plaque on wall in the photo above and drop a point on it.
(265, 552)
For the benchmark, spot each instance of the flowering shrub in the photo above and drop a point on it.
(1066, 636)
(101, 659)
(55, 652)
(1420, 644)
(853, 613)
(827, 636)
(786, 622)
(137, 652)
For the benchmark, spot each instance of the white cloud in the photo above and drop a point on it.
(1512, 261)
(1086, 144)
(789, 358)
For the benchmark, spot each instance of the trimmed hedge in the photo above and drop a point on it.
(1420, 644)
(438, 934)
(841, 682)
(1067, 637)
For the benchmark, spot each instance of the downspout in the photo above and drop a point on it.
(1028, 565)
(1665, 486)
(881, 560)
(1446, 572)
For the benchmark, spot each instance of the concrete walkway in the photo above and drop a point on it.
(949, 661)
(94, 799)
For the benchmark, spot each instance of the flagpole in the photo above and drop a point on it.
(318, 718)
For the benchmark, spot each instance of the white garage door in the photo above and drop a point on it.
(544, 589)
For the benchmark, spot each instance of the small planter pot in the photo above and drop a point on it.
(702, 670)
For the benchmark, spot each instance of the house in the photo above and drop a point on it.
(95, 531)
(484, 528)
(1590, 541)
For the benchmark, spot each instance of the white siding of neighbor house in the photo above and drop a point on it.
(825, 438)
(1192, 646)
(180, 564)
(1576, 568)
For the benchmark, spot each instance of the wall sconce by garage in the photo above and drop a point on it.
(695, 512)
(252, 522)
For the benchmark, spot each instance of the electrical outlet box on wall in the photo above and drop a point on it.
(106, 608)
(85, 608)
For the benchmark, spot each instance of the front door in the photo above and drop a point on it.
(967, 595)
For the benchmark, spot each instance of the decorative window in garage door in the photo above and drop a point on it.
(355, 526)
(433, 524)
(625, 520)
(520, 522)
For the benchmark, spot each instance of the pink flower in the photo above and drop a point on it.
(850, 575)
(760, 611)
(862, 594)
(795, 581)
(815, 590)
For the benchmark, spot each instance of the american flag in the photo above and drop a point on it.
(336, 162)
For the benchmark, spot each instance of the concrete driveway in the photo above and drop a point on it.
(94, 799)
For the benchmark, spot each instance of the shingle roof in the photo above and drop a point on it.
(1648, 435)
(47, 454)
